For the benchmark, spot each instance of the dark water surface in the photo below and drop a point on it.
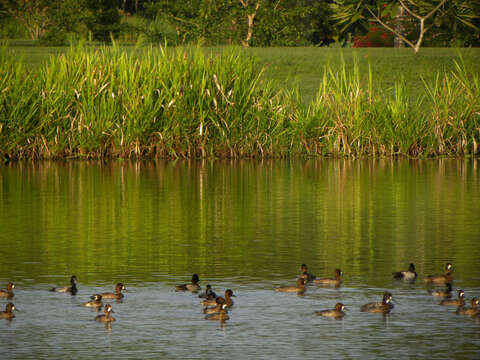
(242, 225)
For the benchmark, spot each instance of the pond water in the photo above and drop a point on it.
(244, 225)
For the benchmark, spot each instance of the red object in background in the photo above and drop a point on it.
(376, 37)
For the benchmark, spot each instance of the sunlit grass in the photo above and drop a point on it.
(104, 101)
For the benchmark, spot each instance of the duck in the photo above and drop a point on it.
(459, 301)
(227, 299)
(72, 289)
(117, 295)
(7, 314)
(407, 275)
(96, 302)
(192, 287)
(337, 281)
(305, 274)
(8, 293)
(442, 293)
(299, 288)
(441, 278)
(209, 294)
(380, 307)
(336, 313)
(221, 315)
(106, 317)
(471, 311)
(219, 302)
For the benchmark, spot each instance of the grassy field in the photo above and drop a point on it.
(153, 102)
(303, 67)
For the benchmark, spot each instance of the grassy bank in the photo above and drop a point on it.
(109, 102)
(302, 67)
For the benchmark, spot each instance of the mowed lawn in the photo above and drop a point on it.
(302, 68)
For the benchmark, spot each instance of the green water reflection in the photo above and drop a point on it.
(241, 220)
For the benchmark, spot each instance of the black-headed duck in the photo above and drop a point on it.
(441, 278)
(442, 293)
(72, 289)
(407, 275)
(227, 299)
(305, 274)
(8, 293)
(192, 287)
(208, 294)
(336, 312)
(300, 288)
(7, 314)
(459, 301)
(106, 317)
(96, 302)
(116, 295)
(471, 311)
(380, 307)
(336, 281)
(221, 315)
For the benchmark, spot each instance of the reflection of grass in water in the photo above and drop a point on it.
(107, 102)
(229, 220)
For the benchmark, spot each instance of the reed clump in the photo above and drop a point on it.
(106, 102)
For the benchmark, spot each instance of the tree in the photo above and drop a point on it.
(251, 9)
(102, 18)
(398, 15)
(33, 14)
(292, 23)
(247, 22)
(41, 17)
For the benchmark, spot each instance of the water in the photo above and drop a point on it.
(244, 225)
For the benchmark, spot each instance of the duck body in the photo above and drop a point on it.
(383, 307)
(221, 315)
(116, 295)
(8, 313)
(227, 299)
(72, 289)
(305, 274)
(299, 288)
(336, 281)
(336, 313)
(459, 301)
(8, 293)
(107, 317)
(213, 310)
(441, 278)
(470, 311)
(192, 287)
(219, 304)
(447, 293)
(209, 294)
(96, 302)
(407, 275)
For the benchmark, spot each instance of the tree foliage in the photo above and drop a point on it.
(33, 14)
(247, 22)
(102, 18)
(434, 22)
(250, 22)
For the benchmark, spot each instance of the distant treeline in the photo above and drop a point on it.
(246, 22)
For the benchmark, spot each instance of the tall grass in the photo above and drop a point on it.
(106, 102)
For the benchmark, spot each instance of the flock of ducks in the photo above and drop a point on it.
(95, 302)
(385, 306)
(216, 307)
(220, 305)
